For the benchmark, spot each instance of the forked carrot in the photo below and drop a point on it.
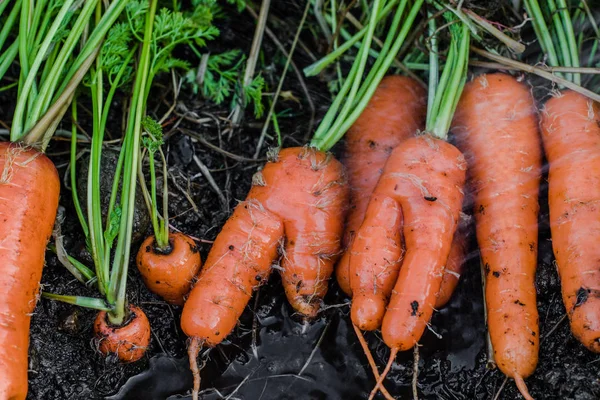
(425, 176)
(296, 203)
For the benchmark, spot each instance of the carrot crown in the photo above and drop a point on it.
(357, 90)
(445, 90)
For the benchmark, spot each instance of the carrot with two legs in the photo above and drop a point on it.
(424, 178)
(297, 203)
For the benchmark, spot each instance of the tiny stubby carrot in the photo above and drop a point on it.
(29, 189)
(496, 127)
(395, 112)
(169, 273)
(128, 341)
(297, 204)
(571, 136)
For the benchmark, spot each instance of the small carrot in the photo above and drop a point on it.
(29, 189)
(128, 341)
(300, 197)
(496, 127)
(395, 112)
(571, 137)
(169, 273)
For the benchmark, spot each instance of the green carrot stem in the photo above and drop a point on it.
(118, 279)
(87, 302)
(10, 22)
(165, 198)
(318, 66)
(73, 172)
(328, 139)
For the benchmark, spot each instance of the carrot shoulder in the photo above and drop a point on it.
(495, 126)
(395, 112)
(29, 189)
(571, 137)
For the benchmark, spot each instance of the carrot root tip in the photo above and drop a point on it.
(522, 387)
(193, 350)
(393, 354)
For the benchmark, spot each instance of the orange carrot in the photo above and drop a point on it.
(169, 274)
(496, 127)
(395, 112)
(455, 264)
(29, 189)
(128, 341)
(571, 136)
(300, 197)
(374, 268)
(425, 176)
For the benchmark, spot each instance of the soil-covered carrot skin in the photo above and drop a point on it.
(301, 198)
(374, 266)
(238, 263)
(496, 127)
(571, 136)
(129, 342)
(169, 274)
(395, 112)
(29, 190)
(425, 176)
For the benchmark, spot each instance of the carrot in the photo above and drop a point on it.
(571, 137)
(394, 113)
(129, 340)
(424, 176)
(496, 127)
(169, 273)
(455, 264)
(29, 189)
(300, 197)
(369, 143)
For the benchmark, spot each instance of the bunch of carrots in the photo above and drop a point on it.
(389, 217)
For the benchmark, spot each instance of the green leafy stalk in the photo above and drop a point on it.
(451, 82)
(118, 278)
(87, 302)
(554, 29)
(87, 273)
(318, 66)
(73, 172)
(329, 132)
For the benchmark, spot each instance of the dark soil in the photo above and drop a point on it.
(273, 354)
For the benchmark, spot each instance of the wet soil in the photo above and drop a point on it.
(272, 354)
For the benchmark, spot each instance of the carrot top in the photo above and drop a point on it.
(445, 90)
(357, 89)
(45, 90)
